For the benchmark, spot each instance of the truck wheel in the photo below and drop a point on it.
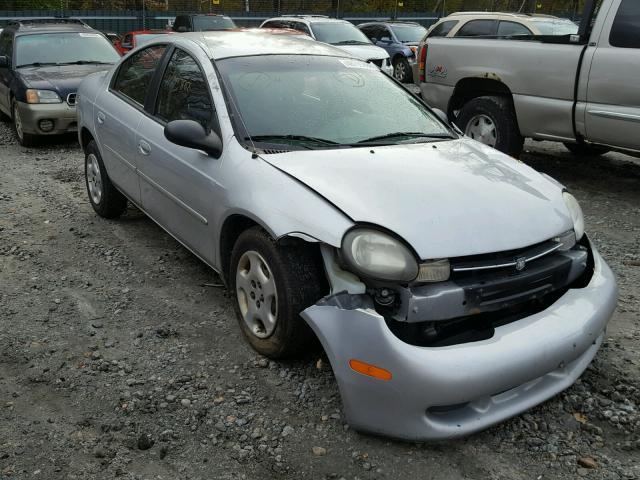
(585, 150)
(273, 283)
(105, 199)
(492, 121)
(402, 70)
(25, 139)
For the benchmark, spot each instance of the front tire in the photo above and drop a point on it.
(585, 150)
(272, 284)
(491, 120)
(25, 139)
(402, 70)
(105, 198)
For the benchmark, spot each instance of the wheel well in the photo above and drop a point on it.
(231, 230)
(470, 88)
(397, 57)
(85, 138)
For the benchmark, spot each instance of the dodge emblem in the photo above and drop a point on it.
(520, 263)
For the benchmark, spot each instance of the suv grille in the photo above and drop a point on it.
(71, 99)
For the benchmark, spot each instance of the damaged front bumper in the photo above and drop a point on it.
(455, 390)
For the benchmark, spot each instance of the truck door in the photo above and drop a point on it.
(612, 114)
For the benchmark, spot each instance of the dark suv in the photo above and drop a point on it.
(41, 66)
(202, 22)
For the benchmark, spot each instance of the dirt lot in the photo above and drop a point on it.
(119, 358)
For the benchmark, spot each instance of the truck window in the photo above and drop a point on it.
(512, 29)
(625, 31)
(443, 29)
(478, 28)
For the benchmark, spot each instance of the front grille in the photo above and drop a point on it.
(71, 99)
(377, 63)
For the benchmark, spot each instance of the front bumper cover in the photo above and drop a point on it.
(445, 392)
(62, 114)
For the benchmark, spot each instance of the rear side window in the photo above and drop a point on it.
(443, 29)
(183, 93)
(135, 73)
(477, 28)
(6, 43)
(625, 31)
(301, 27)
(512, 28)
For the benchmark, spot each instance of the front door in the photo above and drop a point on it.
(613, 93)
(178, 186)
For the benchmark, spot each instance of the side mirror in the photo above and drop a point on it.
(190, 134)
(4, 61)
(373, 39)
(385, 40)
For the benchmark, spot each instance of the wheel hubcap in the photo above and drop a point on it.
(94, 181)
(257, 295)
(482, 129)
(399, 71)
(17, 121)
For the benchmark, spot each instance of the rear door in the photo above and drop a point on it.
(177, 184)
(118, 113)
(613, 90)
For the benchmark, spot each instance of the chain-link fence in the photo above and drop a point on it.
(127, 15)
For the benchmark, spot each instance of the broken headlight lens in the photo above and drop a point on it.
(576, 214)
(378, 255)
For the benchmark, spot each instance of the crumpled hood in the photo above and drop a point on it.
(63, 79)
(364, 52)
(446, 199)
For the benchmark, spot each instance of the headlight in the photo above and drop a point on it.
(576, 214)
(378, 255)
(42, 96)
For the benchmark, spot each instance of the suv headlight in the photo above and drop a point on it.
(576, 214)
(378, 255)
(42, 96)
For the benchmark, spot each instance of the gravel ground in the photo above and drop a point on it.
(120, 356)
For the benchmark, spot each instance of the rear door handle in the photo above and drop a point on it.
(101, 118)
(144, 148)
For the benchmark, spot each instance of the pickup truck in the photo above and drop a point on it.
(581, 89)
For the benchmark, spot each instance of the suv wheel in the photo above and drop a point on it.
(402, 70)
(273, 283)
(492, 121)
(25, 139)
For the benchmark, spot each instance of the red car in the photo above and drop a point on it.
(131, 40)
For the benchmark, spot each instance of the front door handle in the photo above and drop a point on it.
(144, 148)
(101, 118)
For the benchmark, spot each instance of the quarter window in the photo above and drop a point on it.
(625, 31)
(135, 74)
(512, 29)
(183, 93)
(477, 28)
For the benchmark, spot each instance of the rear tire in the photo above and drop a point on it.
(585, 150)
(402, 70)
(272, 284)
(24, 139)
(491, 120)
(105, 198)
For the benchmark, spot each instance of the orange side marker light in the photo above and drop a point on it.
(369, 370)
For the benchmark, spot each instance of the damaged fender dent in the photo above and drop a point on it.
(339, 279)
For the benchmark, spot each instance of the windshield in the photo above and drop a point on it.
(61, 48)
(317, 101)
(339, 33)
(409, 33)
(556, 27)
(208, 23)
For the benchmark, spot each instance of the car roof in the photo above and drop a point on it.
(390, 22)
(145, 32)
(309, 19)
(521, 16)
(53, 25)
(226, 44)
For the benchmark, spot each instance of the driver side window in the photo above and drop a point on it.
(183, 93)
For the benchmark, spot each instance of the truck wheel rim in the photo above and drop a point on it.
(17, 121)
(482, 129)
(94, 180)
(399, 70)
(257, 295)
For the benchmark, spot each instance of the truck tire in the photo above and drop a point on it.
(272, 283)
(491, 120)
(585, 150)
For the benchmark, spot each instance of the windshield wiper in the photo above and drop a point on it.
(303, 138)
(85, 62)
(351, 42)
(37, 64)
(406, 135)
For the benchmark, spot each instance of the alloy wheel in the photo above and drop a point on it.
(94, 180)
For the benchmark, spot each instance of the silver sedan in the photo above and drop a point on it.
(451, 286)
